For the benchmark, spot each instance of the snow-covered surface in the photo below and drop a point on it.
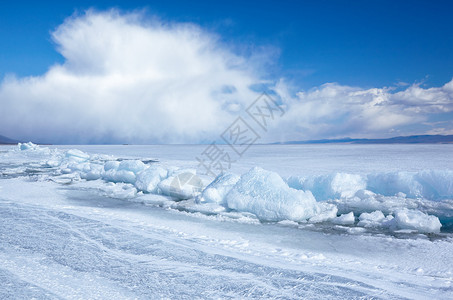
(296, 221)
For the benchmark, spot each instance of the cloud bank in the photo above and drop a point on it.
(126, 79)
(334, 110)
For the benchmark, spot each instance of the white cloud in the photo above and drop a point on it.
(432, 100)
(334, 110)
(440, 130)
(126, 79)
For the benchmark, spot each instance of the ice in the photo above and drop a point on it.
(192, 205)
(114, 251)
(111, 165)
(148, 179)
(216, 191)
(27, 146)
(367, 201)
(119, 190)
(326, 212)
(134, 166)
(437, 184)
(182, 184)
(427, 191)
(266, 195)
(415, 220)
(54, 162)
(374, 219)
(345, 219)
(402, 219)
(324, 187)
(433, 184)
(31, 150)
(77, 155)
(92, 172)
(125, 171)
(429, 184)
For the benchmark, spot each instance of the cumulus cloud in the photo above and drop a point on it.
(432, 100)
(334, 110)
(128, 79)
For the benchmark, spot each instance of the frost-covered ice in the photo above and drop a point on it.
(115, 222)
(266, 195)
(345, 219)
(148, 179)
(415, 220)
(217, 190)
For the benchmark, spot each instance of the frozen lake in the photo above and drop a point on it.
(300, 159)
(88, 225)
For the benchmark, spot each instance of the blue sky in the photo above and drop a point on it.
(296, 46)
(366, 43)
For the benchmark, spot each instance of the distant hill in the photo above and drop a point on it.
(7, 141)
(413, 139)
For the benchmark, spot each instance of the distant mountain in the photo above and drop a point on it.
(413, 139)
(5, 140)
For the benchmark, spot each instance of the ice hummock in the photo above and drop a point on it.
(415, 220)
(27, 146)
(403, 219)
(324, 187)
(389, 201)
(266, 195)
(181, 184)
(344, 219)
(148, 179)
(434, 185)
(216, 191)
